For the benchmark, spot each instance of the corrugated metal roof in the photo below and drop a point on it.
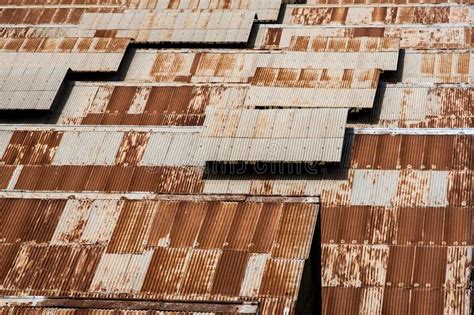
(269, 139)
(396, 234)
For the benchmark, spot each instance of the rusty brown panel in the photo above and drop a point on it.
(131, 119)
(6, 173)
(49, 45)
(189, 217)
(267, 228)
(132, 226)
(46, 268)
(119, 178)
(13, 44)
(42, 152)
(60, 16)
(75, 15)
(431, 15)
(75, 177)
(112, 119)
(83, 45)
(295, 231)
(330, 224)
(369, 32)
(105, 33)
(199, 272)
(410, 225)
(434, 225)
(281, 278)
(67, 44)
(121, 99)
(378, 14)
(118, 45)
(427, 302)
(463, 153)
(180, 101)
(243, 225)
(151, 120)
(438, 153)
(216, 225)
(101, 44)
(33, 16)
(162, 223)
(28, 177)
(53, 176)
(159, 100)
(364, 149)
(17, 16)
(145, 178)
(319, 44)
(230, 273)
(400, 266)
(132, 148)
(98, 179)
(273, 37)
(388, 149)
(460, 188)
(341, 300)
(353, 224)
(46, 16)
(31, 44)
(180, 180)
(8, 254)
(93, 119)
(14, 150)
(264, 76)
(82, 269)
(396, 301)
(430, 266)
(457, 228)
(339, 15)
(411, 151)
(165, 270)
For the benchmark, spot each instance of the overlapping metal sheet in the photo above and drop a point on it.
(30, 88)
(195, 263)
(396, 232)
(272, 135)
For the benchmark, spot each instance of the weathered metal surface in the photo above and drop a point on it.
(266, 138)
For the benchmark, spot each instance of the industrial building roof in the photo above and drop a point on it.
(232, 156)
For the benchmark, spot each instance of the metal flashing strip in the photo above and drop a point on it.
(153, 196)
(411, 131)
(101, 128)
(129, 304)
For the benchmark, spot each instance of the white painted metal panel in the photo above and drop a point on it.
(101, 221)
(5, 137)
(438, 189)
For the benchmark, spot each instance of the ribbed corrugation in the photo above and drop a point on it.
(460, 188)
(294, 236)
(216, 225)
(281, 278)
(458, 270)
(32, 147)
(48, 268)
(341, 300)
(8, 253)
(430, 266)
(401, 266)
(101, 221)
(230, 272)
(132, 227)
(166, 268)
(243, 226)
(199, 272)
(121, 272)
(187, 224)
(30, 219)
(132, 148)
(413, 188)
(426, 301)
